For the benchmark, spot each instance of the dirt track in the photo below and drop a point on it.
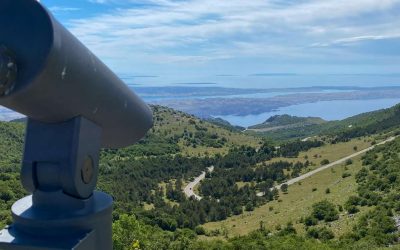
(322, 168)
(189, 189)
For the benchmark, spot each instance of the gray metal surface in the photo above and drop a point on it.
(86, 227)
(60, 168)
(56, 154)
(8, 70)
(59, 78)
(75, 105)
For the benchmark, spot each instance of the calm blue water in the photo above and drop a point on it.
(328, 110)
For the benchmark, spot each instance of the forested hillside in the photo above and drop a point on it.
(11, 143)
(186, 147)
(178, 147)
(151, 211)
(359, 125)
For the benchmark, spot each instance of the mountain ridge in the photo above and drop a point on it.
(277, 122)
(358, 125)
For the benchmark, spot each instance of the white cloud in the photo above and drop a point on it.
(356, 39)
(56, 9)
(202, 30)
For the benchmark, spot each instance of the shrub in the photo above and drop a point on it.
(345, 175)
(289, 229)
(377, 226)
(349, 162)
(325, 210)
(322, 233)
(353, 200)
(352, 209)
(200, 230)
(249, 207)
(324, 162)
(6, 195)
(284, 188)
(237, 210)
(310, 221)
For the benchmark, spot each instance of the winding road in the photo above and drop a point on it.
(189, 189)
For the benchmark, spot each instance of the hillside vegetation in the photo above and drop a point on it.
(279, 122)
(152, 212)
(178, 147)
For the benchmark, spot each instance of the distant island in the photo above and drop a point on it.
(242, 106)
(212, 91)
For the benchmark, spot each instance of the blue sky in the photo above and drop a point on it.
(196, 38)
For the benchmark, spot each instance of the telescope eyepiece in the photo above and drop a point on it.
(8, 71)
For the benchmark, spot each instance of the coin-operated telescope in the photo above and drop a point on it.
(75, 106)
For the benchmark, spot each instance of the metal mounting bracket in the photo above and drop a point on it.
(60, 168)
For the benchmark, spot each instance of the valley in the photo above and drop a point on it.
(200, 125)
(304, 190)
(296, 203)
(190, 187)
(152, 180)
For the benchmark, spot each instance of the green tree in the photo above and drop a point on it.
(284, 188)
(325, 210)
(324, 162)
(322, 233)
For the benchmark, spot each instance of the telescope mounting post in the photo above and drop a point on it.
(60, 168)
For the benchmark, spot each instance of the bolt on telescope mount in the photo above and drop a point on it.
(75, 106)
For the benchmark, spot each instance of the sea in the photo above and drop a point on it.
(328, 110)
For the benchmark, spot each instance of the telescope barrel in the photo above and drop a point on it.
(50, 76)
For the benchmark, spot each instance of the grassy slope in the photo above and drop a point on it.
(331, 152)
(176, 132)
(296, 204)
(169, 123)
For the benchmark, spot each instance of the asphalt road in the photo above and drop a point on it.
(188, 190)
